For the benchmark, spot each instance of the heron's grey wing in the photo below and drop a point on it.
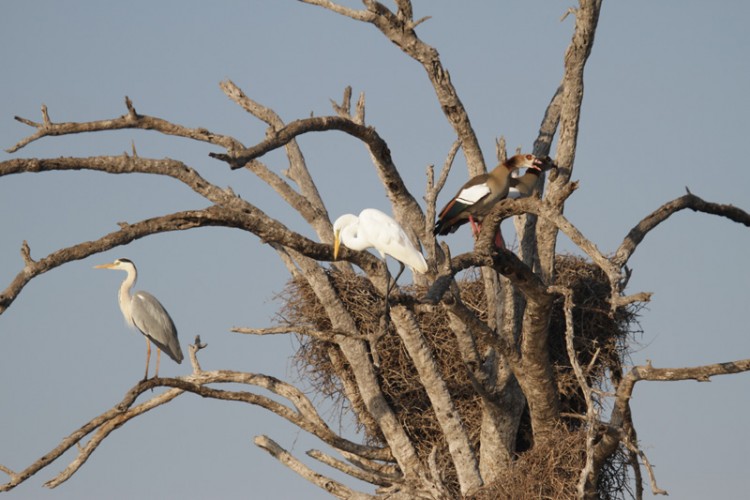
(150, 317)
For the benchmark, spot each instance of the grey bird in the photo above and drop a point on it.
(144, 312)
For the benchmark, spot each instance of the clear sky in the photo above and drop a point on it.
(666, 107)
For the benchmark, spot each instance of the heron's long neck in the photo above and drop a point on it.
(124, 297)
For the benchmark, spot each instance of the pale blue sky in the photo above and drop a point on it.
(666, 107)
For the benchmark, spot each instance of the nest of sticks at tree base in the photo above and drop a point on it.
(600, 341)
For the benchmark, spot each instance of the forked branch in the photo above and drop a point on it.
(333, 487)
(304, 415)
(130, 120)
(399, 29)
(254, 221)
(691, 201)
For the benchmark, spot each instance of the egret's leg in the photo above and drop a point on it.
(148, 357)
(387, 289)
(391, 285)
(386, 312)
(400, 270)
(158, 358)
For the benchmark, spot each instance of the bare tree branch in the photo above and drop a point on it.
(431, 194)
(124, 164)
(283, 136)
(544, 210)
(254, 221)
(592, 415)
(355, 352)
(587, 17)
(131, 120)
(311, 205)
(103, 423)
(405, 205)
(104, 430)
(700, 373)
(525, 224)
(306, 417)
(464, 458)
(386, 470)
(333, 487)
(329, 336)
(691, 201)
(355, 472)
(400, 30)
(655, 490)
(359, 15)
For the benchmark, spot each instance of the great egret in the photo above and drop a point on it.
(476, 198)
(144, 312)
(374, 229)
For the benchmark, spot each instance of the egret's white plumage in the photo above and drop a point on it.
(144, 312)
(374, 229)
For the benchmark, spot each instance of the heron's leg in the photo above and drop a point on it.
(148, 357)
(158, 358)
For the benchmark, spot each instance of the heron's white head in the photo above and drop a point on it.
(119, 264)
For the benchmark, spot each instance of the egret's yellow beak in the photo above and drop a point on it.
(336, 244)
(105, 266)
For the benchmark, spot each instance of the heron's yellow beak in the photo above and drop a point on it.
(105, 266)
(336, 245)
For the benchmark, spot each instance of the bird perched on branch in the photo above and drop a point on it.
(522, 186)
(374, 229)
(476, 198)
(144, 312)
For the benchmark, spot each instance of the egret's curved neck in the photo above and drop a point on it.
(124, 297)
(352, 239)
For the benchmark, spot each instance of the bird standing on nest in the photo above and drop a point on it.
(374, 229)
(144, 312)
(479, 195)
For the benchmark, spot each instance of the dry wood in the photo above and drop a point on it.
(472, 356)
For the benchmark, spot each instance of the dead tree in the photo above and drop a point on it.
(489, 385)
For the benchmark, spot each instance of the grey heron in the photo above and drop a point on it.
(144, 312)
(375, 229)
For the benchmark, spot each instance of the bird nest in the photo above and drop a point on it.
(600, 341)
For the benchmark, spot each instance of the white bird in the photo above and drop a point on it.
(374, 229)
(144, 312)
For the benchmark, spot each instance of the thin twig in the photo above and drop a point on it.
(592, 416)
(655, 490)
(329, 336)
